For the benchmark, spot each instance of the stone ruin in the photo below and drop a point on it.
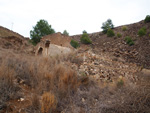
(55, 44)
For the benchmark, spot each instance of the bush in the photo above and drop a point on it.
(85, 39)
(129, 41)
(124, 28)
(147, 19)
(74, 44)
(142, 31)
(110, 33)
(119, 35)
(107, 25)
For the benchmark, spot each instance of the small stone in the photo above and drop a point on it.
(83, 100)
(21, 99)
(120, 77)
(21, 81)
(81, 66)
(96, 63)
(96, 76)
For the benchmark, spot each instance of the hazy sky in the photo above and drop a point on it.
(72, 15)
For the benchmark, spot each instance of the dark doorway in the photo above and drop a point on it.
(40, 51)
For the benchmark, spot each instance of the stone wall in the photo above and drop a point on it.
(52, 50)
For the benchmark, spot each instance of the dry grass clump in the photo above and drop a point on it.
(8, 89)
(49, 102)
(124, 28)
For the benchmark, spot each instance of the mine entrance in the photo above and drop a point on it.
(40, 51)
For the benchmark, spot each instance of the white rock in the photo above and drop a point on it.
(21, 99)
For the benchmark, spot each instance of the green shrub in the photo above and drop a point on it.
(74, 44)
(142, 31)
(107, 25)
(85, 39)
(119, 35)
(147, 19)
(149, 35)
(110, 33)
(129, 41)
(124, 28)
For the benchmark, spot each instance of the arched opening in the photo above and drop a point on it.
(40, 51)
(47, 44)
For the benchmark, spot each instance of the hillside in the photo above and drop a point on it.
(107, 76)
(4, 32)
(138, 53)
(10, 40)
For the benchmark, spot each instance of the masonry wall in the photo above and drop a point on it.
(52, 50)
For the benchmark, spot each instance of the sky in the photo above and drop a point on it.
(71, 15)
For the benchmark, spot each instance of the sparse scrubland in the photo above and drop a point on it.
(104, 74)
(51, 85)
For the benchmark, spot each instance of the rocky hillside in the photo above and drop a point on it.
(107, 76)
(138, 53)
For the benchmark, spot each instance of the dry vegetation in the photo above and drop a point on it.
(46, 82)
(50, 85)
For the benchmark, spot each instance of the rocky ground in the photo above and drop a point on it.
(113, 83)
(104, 67)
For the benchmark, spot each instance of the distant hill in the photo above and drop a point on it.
(4, 32)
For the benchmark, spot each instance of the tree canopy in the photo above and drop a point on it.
(107, 25)
(42, 28)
